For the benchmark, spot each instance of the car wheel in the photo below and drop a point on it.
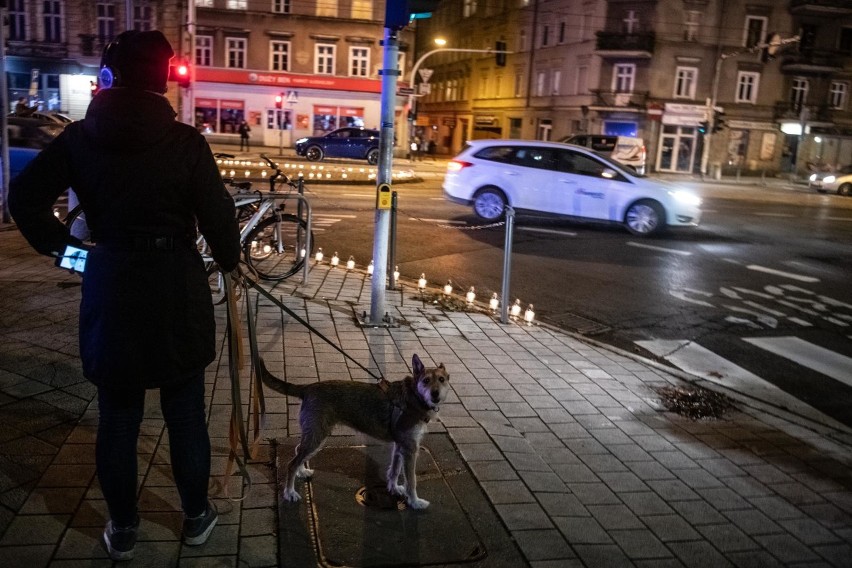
(373, 157)
(489, 204)
(645, 218)
(845, 189)
(314, 154)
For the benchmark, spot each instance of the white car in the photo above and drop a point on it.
(839, 182)
(566, 180)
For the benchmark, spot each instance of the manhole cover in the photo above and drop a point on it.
(347, 518)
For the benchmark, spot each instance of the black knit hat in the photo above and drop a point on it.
(138, 60)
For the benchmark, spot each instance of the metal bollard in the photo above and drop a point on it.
(507, 263)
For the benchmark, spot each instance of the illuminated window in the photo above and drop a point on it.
(623, 77)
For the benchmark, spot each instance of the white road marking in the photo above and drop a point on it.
(681, 295)
(442, 221)
(801, 322)
(774, 215)
(702, 362)
(661, 249)
(359, 194)
(548, 231)
(798, 277)
(334, 216)
(838, 218)
(814, 357)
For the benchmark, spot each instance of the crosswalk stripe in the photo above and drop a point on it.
(782, 273)
(661, 249)
(699, 361)
(819, 359)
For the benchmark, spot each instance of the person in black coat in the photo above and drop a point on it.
(145, 182)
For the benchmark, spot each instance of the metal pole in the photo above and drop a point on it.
(5, 217)
(507, 263)
(390, 73)
(392, 243)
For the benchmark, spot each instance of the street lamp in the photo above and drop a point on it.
(412, 100)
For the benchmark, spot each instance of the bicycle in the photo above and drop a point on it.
(274, 243)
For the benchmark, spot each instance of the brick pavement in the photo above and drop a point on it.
(566, 437)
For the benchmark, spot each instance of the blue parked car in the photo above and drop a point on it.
(27, 137)
(357, 143)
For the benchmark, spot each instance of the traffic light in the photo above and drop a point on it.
(279, 100)
(179, 71)
(718, 120)
(703, 126)
(399, 12)
(500, 58)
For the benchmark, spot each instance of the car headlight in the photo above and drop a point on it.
(686, 197)
(829, 179)
(301, 140)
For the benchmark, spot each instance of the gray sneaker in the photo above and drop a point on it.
(196, 530)
(120, 541)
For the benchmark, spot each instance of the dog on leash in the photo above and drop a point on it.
(395, 411)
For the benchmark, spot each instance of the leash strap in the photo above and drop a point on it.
(253, 283)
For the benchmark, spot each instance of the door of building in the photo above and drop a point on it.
(677, 149)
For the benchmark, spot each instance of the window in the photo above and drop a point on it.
(143, 16)
(324, 59)
(236, 4)
(522, 40)
(807, 38)
(581, 86)
(362, 9)
(844, 44)
(799, 92)
(561, 32)
(519, 84)
(747, 83)
(755, 30)
(685, 80)
(691, 24)
(279, 55)
(469, 8)
(281, 6)
(105, 14)
(204, 3)
(623, 77)
(545, 35)
(555, 82)
(204, 50)
(631, 22)
(545, 127)
(837, 93)
(17, 20)
(235, 52)
(539, 83)
(52, 21)
(359, 62)
(327, 8)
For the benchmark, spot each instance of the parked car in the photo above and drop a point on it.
(623, 149)
(358, 143)
(565, 180)
(49, 116)
(839, 181)
(27, 137)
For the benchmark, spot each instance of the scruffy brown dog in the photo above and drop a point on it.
(395, 411)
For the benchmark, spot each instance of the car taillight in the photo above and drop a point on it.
(457, 165)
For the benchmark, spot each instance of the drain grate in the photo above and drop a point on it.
(576, 323)
(347, 518)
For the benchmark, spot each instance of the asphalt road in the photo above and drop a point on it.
(760, 292)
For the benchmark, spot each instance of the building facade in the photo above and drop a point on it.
(320, 58)
(667, 71)
(53, 47)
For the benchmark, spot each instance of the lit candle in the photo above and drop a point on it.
(494, 302)
(370, 268)
(318, 255)
(350, 264)
(470, 296)
(395, 273)
(421, 284)
(335, 260)
(448, 288)
(529, 315)
(516, 308)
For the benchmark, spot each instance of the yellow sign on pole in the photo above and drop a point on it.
(383, 196)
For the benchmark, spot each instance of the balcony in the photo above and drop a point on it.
(786, 110)
(617, 101)
(829, 8)
(620, 45)
(812, 62)
(48, 50)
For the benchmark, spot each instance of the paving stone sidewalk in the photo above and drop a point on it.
(567, 438)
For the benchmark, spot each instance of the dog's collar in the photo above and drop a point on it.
(383, 385)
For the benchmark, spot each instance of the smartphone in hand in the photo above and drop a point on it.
(73, 259)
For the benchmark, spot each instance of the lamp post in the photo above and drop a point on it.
(412, 100)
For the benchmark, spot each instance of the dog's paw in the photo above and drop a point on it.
(291, 495)
(396, 489)
(305, 473)
(418, 503)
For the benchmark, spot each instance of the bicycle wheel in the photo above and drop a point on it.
(274, 247)
(76, 223)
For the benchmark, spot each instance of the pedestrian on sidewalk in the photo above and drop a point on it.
(144, 181)
(244, 130)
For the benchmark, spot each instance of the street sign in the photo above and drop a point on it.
(425, 88)
(292, 97)
(405, 91)
(425, 74)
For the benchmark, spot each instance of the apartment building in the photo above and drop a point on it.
(321, 57)
(662, 70)
(53, 47)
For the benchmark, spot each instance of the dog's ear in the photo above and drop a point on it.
(417, 367)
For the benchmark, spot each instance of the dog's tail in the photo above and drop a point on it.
(277, 384)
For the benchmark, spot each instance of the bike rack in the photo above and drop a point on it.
(303, 200)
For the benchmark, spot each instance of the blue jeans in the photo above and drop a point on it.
(118, 432)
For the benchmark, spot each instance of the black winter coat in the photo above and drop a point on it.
(146, 316)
